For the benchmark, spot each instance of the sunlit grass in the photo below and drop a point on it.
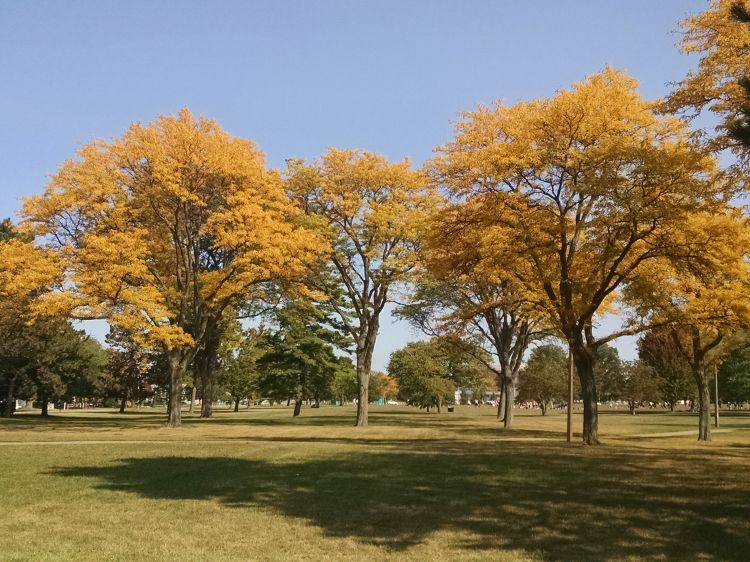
(260, 485)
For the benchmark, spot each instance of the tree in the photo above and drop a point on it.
(344, 386)
(27, 274)
(609, 373)
(544, 379)
(574, 195)
(702, 299)
(239, 374)
(382, 387)
(721, 84)
(452, 300)
(658, 350)
(429, 373)
(164, 228)
(734, 377)
(54, 361)
(373, 211)
(301, 362)
(126, 374)
(639, 385)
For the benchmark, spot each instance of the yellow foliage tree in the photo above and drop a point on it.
(720, 35)
(702, 300)
(573, 195)
(27, 274)
(165, 227)
(373, 211)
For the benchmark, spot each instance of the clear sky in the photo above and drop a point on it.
(300, 76)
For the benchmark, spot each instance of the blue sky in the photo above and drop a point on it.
(300, 76)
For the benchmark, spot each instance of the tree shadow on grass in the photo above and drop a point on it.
(556, 502)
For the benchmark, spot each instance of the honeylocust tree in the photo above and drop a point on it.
(454, 301)
(164, 228)
(27, 274)
(573, 195)
(720, 35)
(373, 211)
(702, 297)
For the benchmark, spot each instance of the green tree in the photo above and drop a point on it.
(301, 362)
(544, 379)
(239, 375)
(429, 373)
(640, 386)
(126, 374)
(57, 361)
(734, 377)
(658, 350)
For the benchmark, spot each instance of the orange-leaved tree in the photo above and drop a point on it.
(373, 211)
(164, 228)
(701, 300)
(572, 195)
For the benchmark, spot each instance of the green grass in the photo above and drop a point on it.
(259, 485)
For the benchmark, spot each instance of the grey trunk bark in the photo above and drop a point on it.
(584, 363)
(704, 406)
(510, 393)
(177, 369)
(192, 399)
(364, 363)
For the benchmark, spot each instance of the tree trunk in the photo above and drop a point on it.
(123, 402)
(584, 362)
(237, 404)
(205, 365)
(177, 366)
(364, 364)
(192, 399)
(207, 391)
(704, 405)
(510, 395)
(631, 405)
(297, 407)
(45, 407)
(10, 400)
(501, 401)
(543, 407)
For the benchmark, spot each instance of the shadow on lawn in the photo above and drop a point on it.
(557, 502)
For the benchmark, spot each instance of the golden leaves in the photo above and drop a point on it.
(172, 221)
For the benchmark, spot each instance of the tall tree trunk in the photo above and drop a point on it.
(501, 402)
(510, 394)
(177, 366)
(585, 361)
(364, 364)
(10, 399)
(543, 407)
(704, 403)
(192, 399)
(45, 407)
(205, 365)
(237, 404)
(297, 407)
(123, 402)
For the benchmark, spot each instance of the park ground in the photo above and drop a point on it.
(259, 485)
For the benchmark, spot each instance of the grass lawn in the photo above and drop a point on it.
(259, 485)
